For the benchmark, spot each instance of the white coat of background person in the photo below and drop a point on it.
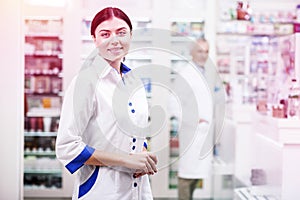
(192, 166)
(110, 163)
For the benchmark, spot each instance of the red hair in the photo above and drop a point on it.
(106, 14)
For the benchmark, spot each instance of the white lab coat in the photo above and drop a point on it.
(191, 140)
(88, 122)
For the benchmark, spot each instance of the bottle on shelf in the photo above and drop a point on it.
(298, 13)
(294, 100)
(262, 93)
(174, 126)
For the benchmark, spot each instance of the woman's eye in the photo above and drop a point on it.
(122, 33)
(104, 34)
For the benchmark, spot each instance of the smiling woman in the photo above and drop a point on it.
(112, 30)
(111, 163)
(112, 37)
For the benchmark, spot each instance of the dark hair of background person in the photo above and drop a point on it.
(106, 14)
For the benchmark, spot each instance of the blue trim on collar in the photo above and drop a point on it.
(124, 69)
(79, 161)
(145, 145)
(88, 184)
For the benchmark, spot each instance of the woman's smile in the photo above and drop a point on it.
(116, 50)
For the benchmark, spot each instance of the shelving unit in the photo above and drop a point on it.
(253, 53)
(250, 62)
(183, 33)
(262, 143)
(44, 175)
(256, 58)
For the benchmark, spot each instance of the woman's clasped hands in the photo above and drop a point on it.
(144, 163)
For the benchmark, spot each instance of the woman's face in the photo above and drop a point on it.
(112, 38)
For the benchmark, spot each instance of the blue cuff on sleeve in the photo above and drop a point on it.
(79, 161)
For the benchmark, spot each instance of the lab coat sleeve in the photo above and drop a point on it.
(77, 110)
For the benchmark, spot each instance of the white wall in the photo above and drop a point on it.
(11, 100)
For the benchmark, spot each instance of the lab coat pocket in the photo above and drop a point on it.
(86, 186)
(122, 180)
(104, 186)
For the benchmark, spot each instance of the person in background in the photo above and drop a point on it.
(110, 162)
(199, 52)
(191, 167)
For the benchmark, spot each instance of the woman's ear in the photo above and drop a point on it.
(94, 38)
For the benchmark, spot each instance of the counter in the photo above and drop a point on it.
(272, 146)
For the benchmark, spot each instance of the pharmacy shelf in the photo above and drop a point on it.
(40, 134)
(51, 74)
(43, 60)
(40, 191)
(44, 35)
(182, 39)
(50, 94)
(43, 112)
(253, 34)
(43, 171)
(58, 55)
(43, 153)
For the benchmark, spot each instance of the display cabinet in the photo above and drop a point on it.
(256, 56)
(254, 62)
(44, 176)
(183, 32)
(255, 50)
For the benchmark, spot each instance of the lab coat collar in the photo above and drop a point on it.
(124, 69)
(109, 69)
(103, 68)
(200, 68)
